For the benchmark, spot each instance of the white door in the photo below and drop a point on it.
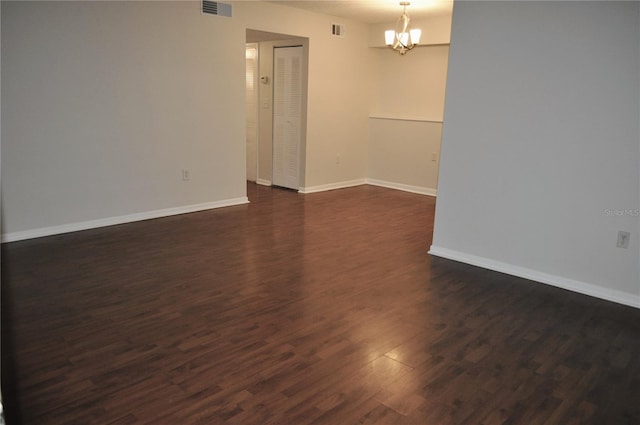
(287, 116)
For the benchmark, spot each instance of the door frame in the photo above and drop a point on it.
(252, 111)
(265, 114)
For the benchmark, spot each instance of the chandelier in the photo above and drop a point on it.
(403, 38)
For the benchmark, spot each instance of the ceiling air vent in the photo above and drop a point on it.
(216, 8)
(337, 30)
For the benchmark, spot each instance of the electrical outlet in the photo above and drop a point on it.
(337, 159)
(185, 174)
(623, 239)
(434, 156)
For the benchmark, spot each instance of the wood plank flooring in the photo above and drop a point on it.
(300, 309)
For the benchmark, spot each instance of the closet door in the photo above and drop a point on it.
(287, 116)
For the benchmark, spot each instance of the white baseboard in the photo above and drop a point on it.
(263, 182)
(620, 297)
(404, 187)
(374, 182)
(110, 221)
(332, 186)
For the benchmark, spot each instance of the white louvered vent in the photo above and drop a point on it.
(337, 30)
(216, 8)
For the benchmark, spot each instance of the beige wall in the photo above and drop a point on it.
(407, 113)
(413, 85)
(404, 154)
(339, 91)
(348, 84)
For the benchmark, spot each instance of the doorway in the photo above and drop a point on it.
(271, 150)
(251, 104)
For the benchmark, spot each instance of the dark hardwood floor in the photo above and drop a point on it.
(300, 309)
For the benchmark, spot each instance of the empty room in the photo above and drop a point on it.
(320, 212)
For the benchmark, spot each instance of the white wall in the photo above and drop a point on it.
(541, 140)
(106, 102)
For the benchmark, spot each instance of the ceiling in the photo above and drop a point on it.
(372, 11)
